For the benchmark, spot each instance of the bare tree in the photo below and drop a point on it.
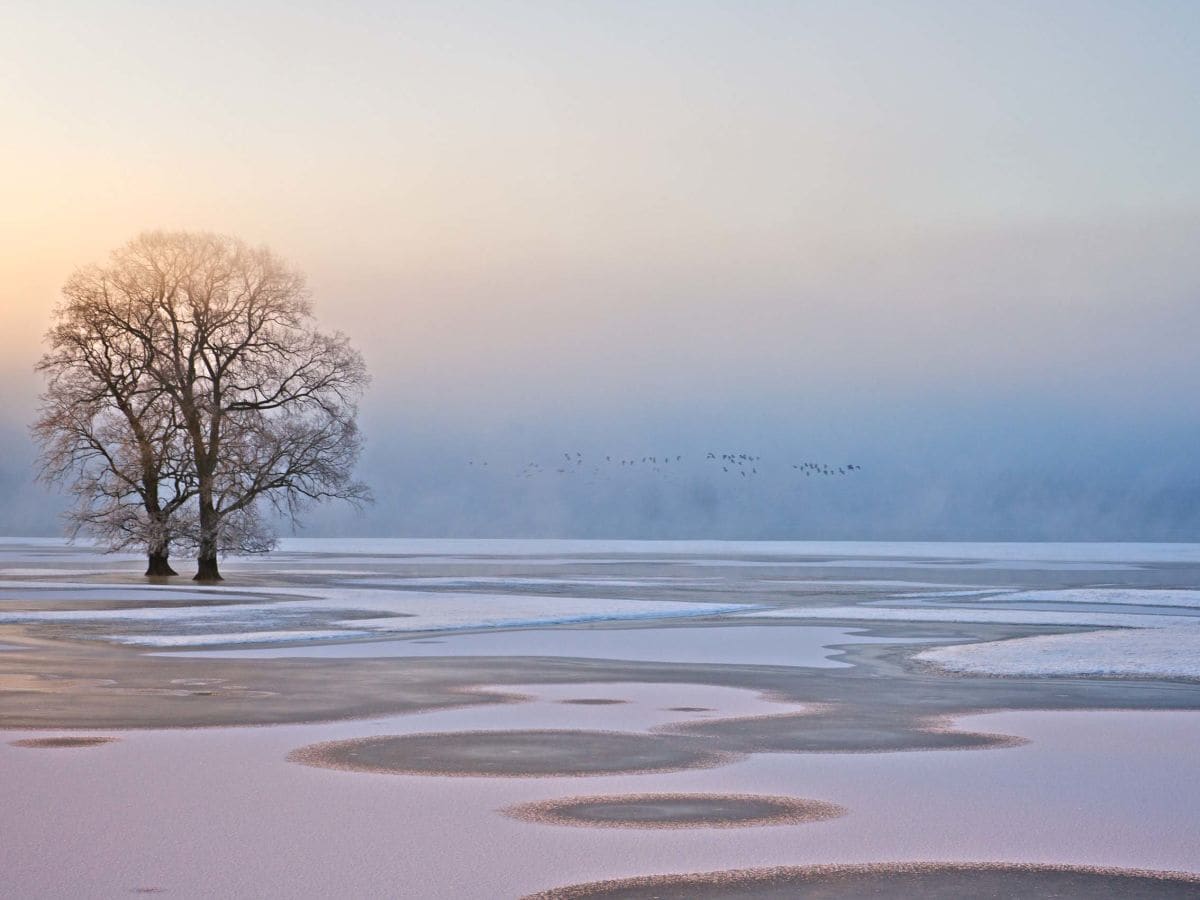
(108, 428)
(267, 402)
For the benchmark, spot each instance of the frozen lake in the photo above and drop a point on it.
(735, 645)
(858, 675)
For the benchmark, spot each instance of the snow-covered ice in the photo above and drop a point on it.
(1146, 652)
(1189, 599)
(980, 615)
(758, 645)
(237, 637)
(519, 592)
(350, 609)
(1148, 644)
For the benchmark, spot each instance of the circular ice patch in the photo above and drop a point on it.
(676, 811)
(513, 753)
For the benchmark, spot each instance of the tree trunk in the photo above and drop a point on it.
(159, 549)
(159, 565)
(206, 558)
(206, 569)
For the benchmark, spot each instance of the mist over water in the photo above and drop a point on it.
(956, 475)
(953, 476)
(1045, 393)
(954, 245)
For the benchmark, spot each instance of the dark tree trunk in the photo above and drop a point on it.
(206, 558)
(159, 550)
(159, 565)
(206, 569)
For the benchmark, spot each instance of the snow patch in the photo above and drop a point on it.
(239, 637)
(975, 615)
(1146, 652)
(381, 611)
(1188, 599)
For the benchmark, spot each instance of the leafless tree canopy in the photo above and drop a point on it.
(192, 361)
(108, 429)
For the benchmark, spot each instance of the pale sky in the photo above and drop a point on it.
(927, 234)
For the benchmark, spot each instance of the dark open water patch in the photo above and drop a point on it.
(896, 881)
(529, 754)
(53, 743)
(675, 811)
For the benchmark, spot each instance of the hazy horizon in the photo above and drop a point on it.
(954, 244)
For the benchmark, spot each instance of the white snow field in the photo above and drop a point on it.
(1189, 599)
(866, 613)
(1144, 652)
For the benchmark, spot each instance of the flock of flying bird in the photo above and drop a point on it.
(743, 465)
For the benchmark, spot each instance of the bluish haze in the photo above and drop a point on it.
(954, 243)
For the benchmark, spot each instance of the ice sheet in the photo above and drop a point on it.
(1039, 552)
(398, 612)
(1136, 645)
(779, 645)
(220, 812)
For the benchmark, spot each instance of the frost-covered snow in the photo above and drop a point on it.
(931, 595)
(355, 604)
(1149, 652)
(395, 611)
(1189, 599)
(972, 615)
(67, 591)
(872, 584)
(237, 637)
(1148, 644)
(511, 581)
(48, 572)
(758, 645)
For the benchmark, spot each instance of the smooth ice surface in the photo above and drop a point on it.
(219, 812)
(733, 645)
(947, 550)
(24, 552)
